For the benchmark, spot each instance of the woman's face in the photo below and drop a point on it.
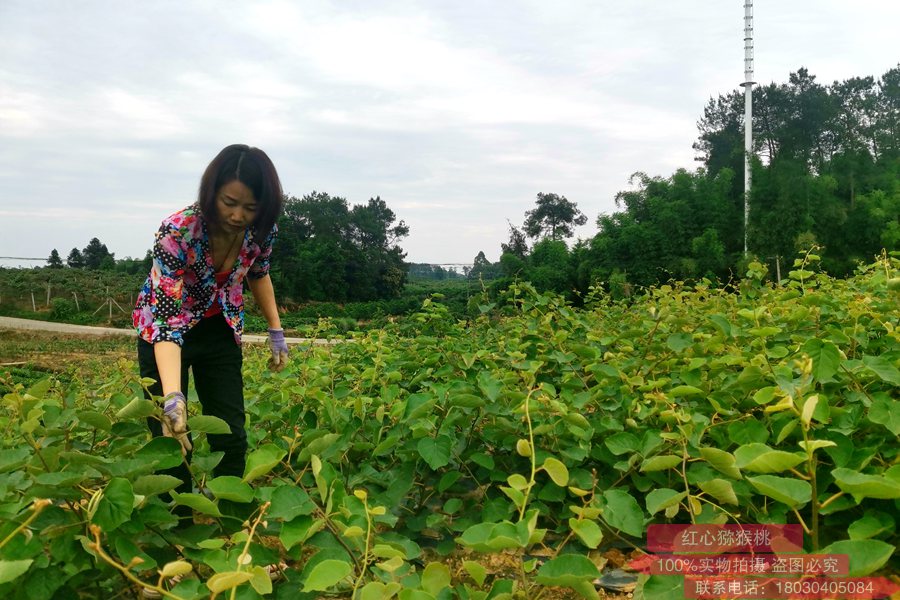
(236, 207)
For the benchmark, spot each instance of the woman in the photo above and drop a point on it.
(190, 312)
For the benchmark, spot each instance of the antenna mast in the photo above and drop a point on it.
(748, 111)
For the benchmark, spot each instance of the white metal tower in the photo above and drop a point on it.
(748, 111)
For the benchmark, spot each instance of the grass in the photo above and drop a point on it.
(28, 356)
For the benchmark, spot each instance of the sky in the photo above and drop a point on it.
(457, 113)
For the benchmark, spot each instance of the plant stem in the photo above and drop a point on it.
(256, 521)
(37, 506)
(98, 548)
(830, 500)
(532, 458)
(802, 522)
(365, 558)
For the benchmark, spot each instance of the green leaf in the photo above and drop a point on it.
(176, 568)
(677, 342)
(262, 460)
(659, 587)
(882, 367)
(813, 445)
(720, 489)
(873, 524)
(326, 574)
(10, 570)
(886, 411)
(128, 550)
(866, 556)
(164, 451)
(825, 356)
(792, 492)
(517, 482)
(759, 458)
(115, 505)
(493, 537)
(587, 531)
(466, 401)
(721, 461)
(663, 498)
(489, 385)
(374, 590)
(722, 324)
(320, 445)
(60, 478)
(221, 582)
(198, 502)
(567, 570)
(228, 487)
(622, 443)
(138, 408)
(476, 571)
(14, 458)
(435, 578)
(809, 407)
(261, 582)
(679, 391)
(483, 460)
(660, 463)
(765, 395)
(866, 486)
(419, 405)
(435, 451)
(411, 594)
(94, 419)
(557, 471)
(150, 485)
(299, 530)
(622, 512)
(289, 502)
(208, 424)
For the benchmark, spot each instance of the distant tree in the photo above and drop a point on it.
(549, 268)
(75, 259)
(54, 262)
(482, 268)
(430, 272)
(97, 256)
(479, 264)
(517, 244)
(331, 252)
(147, 263)
(555, 217)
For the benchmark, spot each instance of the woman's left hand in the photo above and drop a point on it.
(279, 349)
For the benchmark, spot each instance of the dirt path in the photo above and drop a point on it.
(14, 323)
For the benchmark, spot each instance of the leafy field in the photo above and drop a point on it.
(494, 458)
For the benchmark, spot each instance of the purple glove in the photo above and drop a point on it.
(174, 420)
(279, 349)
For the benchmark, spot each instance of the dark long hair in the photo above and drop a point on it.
(252, 167)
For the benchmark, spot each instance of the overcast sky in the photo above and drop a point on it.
(457, 113)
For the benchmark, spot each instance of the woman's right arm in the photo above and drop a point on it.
(167, 291)
(168, 362)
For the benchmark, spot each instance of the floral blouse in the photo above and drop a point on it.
(182, 283)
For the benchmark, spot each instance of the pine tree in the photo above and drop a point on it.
(75, 259)
(54, 262)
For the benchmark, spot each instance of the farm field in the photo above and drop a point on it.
(512, 455)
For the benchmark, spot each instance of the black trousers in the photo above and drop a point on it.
(211, 354)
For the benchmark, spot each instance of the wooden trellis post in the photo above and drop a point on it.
(110, 302)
